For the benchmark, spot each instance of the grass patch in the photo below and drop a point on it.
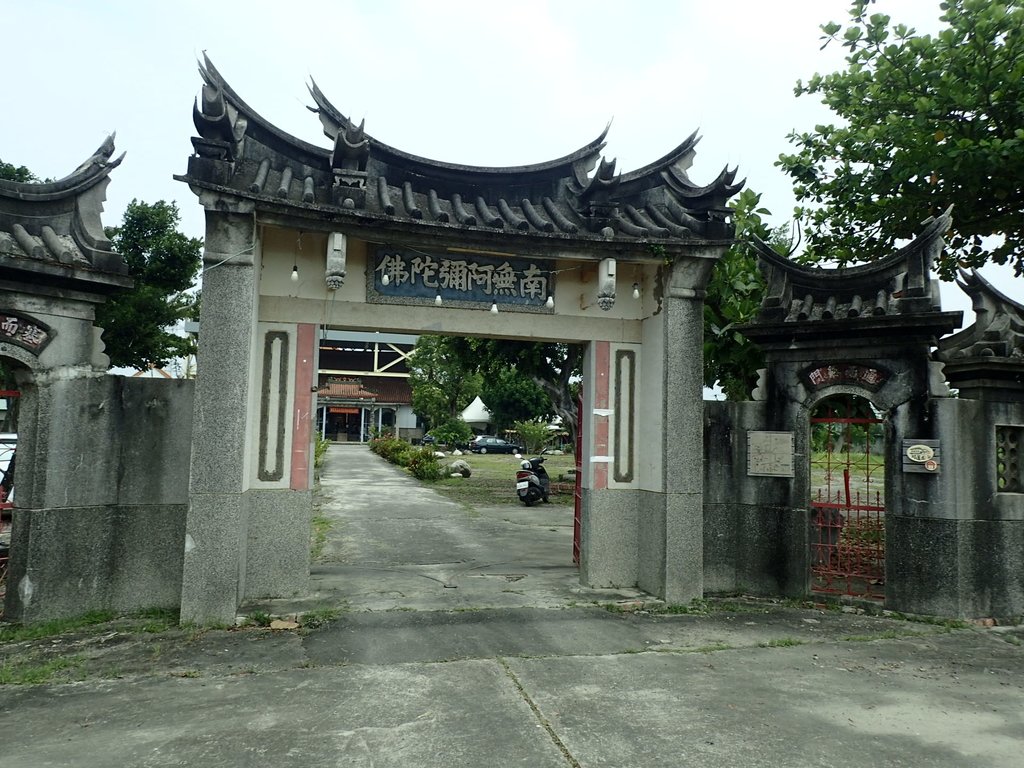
(19, 633)
(318, 540)
(32, 671)
(711, 648)
(259, 619)
(696, 607)
(781, 642)
(935, 621)
(493, 480)
(156, 620)
(320, 617)
(889, 634)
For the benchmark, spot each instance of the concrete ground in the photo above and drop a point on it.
(466, 640)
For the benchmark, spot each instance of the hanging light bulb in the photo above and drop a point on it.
(550, 303)
(636, 290)
(494, 307)
(437, 300)
(295, 273)
(385, 280)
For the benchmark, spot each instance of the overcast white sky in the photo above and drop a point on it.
(478, 82)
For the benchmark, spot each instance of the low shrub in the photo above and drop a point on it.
(320, 450)
(423, 465)
(392, 449)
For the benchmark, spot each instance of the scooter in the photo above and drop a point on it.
(532, 481)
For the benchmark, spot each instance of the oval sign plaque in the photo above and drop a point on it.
(920, 453)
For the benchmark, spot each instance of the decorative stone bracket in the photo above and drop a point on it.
(337, 247)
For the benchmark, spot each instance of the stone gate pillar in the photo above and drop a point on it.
(643, 423)
(677, 496)
(672, 486)
(213, 578)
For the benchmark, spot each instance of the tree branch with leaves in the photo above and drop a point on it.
(923, 122)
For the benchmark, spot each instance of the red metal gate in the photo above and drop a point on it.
(8, 444)
(847, 499)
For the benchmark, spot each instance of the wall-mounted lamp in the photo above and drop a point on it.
(550, 303)
(295, 258)
(437, 300)
(494, 307)
(636, 290)
(385, 280)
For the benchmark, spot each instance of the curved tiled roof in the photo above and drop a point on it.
(578, 195)
(53, 230)
(377, 389)
(898, 284)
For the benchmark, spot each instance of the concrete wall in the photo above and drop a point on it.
(102, 492)
(956, 541)
(755, 540)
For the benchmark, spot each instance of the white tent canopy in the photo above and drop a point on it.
(476, 414)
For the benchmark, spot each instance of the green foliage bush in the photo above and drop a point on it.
(423, 465)
(421, 462)
(452, 432)
(392, 449)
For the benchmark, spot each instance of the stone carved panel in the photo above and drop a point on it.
(624, 394)
(770, 454)
(273, 406)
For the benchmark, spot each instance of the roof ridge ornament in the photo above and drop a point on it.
(220, 134)
(998, 329)
(350, 156)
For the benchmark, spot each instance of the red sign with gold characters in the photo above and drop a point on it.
(846, 373)
(24, 331)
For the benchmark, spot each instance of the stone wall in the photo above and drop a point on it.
(755, 539)
(101, 496)
(956, 540)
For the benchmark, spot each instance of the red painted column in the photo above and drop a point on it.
(305, 378)
(600, 419)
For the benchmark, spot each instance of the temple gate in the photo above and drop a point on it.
(363, 236)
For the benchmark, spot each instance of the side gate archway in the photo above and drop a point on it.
(847, 498)
(365, 237)
(849, 384)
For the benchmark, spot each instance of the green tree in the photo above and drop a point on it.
(442, 384)
(511, 396)
(16, 173)
(734, 295)
(553, 367)
(533, 435)
(453, 431)
(923, 122)
(164, 263)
